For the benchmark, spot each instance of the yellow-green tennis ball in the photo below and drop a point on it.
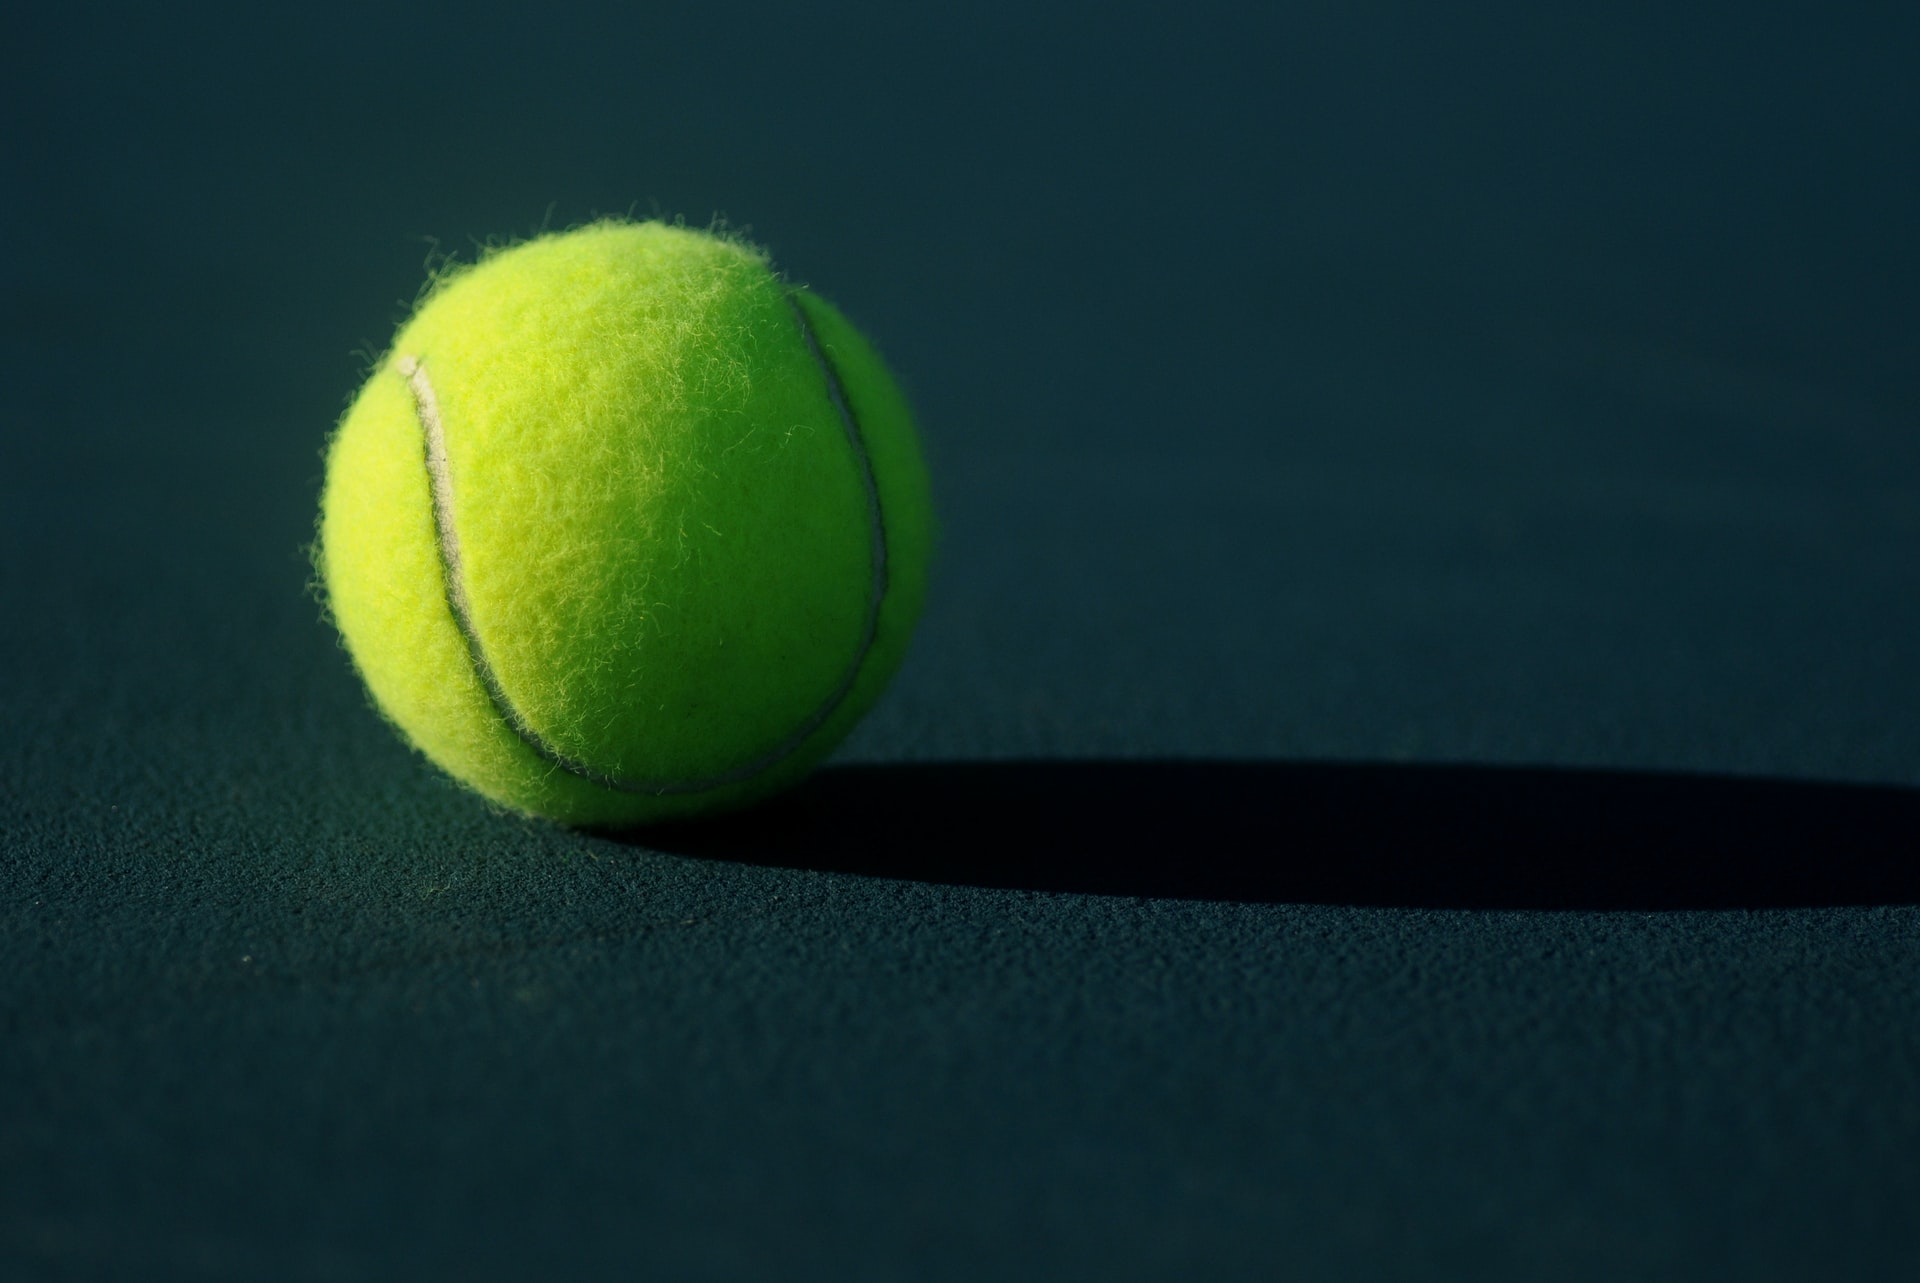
(625, 527)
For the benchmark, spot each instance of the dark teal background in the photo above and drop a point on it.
(1411, 768)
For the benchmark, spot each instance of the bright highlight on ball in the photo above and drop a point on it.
(625, 527)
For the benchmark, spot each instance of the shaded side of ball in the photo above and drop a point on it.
(625, 527)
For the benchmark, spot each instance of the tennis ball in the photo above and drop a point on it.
(625, 528)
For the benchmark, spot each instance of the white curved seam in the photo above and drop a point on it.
(447, 539)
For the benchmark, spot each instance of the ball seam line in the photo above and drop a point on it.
(876, 517)
(426, 406)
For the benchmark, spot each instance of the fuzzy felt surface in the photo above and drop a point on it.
(682, 526)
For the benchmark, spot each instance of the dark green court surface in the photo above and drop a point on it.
(1411, 768)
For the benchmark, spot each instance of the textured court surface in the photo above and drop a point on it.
(1409, 771)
